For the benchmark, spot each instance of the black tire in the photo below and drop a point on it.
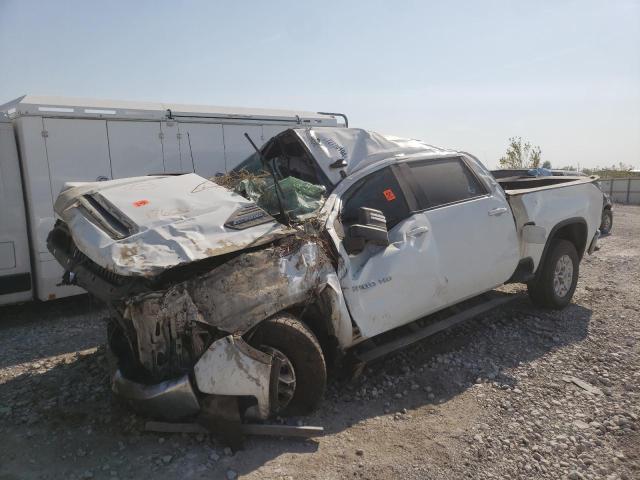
(297, 342)
(606, 223)
(542, 291)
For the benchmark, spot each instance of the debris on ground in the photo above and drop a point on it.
(260, 429)
(583, 385)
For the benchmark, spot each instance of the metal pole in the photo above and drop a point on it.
(628, 189)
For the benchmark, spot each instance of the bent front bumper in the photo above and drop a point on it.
(229, 367)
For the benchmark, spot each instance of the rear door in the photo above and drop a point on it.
(471, 225)
(15, 275)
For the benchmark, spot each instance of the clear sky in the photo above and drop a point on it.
(563, 74)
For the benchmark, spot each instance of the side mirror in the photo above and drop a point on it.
(370, 228)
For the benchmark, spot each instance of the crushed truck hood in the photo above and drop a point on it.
(144, 225)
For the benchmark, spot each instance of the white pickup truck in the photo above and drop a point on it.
(240, 287)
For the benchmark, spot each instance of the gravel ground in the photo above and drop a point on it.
(519, 393)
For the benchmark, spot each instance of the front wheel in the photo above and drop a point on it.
(302, 377)
(558, 277)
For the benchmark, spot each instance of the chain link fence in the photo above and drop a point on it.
(622, 190)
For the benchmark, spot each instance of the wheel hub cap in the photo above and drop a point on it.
(563, 276)
(286, 386)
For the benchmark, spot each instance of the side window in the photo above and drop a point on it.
(381, 191)
(445, 181)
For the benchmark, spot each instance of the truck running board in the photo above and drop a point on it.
(424, 328)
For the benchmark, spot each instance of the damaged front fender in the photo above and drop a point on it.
(172, 328)
(231, 367)
(198, 325)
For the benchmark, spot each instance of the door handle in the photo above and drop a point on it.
(497, 211)
(416, 232)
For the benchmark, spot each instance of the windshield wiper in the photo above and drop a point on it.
(269, 166)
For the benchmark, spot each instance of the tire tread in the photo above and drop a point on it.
(295, 339)
(541, 288)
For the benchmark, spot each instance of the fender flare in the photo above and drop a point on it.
(552, 236)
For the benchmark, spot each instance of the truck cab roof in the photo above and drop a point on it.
(341, 152)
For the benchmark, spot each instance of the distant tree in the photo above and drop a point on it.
(521, 155)
(614, 171)
(546, 164)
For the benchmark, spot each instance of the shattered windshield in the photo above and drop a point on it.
(302, 186)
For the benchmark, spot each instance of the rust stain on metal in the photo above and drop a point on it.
(128, 252)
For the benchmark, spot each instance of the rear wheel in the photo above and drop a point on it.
(558, 277)
(302, 376)
(607, 222)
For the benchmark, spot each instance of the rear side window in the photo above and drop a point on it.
(445, 181)
(381, 191)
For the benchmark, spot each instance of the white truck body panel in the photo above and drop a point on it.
(14, 242)
(202, 148)
(135, 149)
(63, 139)
(236, 147)
(76, 150)
(548, 207)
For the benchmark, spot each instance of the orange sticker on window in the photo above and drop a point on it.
(389, 195)
(141, 203)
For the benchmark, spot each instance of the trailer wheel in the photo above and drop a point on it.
(607, 222)
(556, 283)
(303, 374)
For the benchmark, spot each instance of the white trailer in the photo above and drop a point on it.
(47, 141)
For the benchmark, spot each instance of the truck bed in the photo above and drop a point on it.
(524, 184)
(544, 203)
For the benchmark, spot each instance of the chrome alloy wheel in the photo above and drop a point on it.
(563, 276)
(286, 386)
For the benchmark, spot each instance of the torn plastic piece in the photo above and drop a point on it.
(171, 399)
(231, 367)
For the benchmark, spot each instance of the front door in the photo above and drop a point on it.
(386, 287)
